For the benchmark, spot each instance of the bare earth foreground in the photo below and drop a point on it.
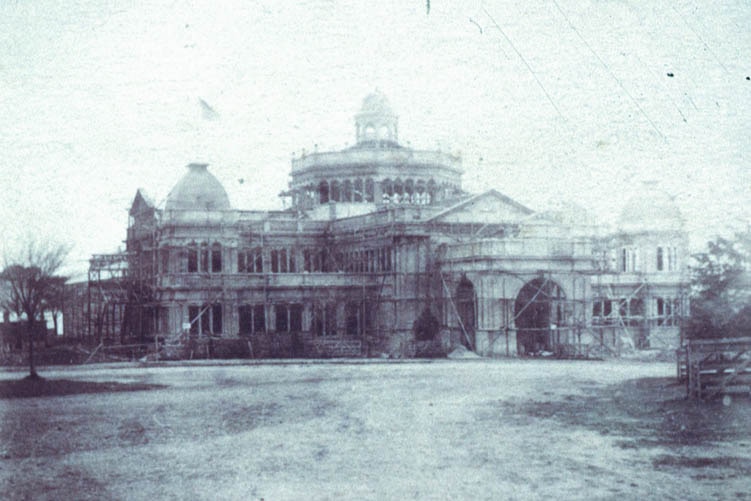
(484, 429)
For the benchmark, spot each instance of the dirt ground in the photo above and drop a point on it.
(480, 429)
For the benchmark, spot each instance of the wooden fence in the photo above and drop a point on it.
(716, 367)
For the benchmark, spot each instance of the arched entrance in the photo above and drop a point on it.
(466, 307)
(538, 312)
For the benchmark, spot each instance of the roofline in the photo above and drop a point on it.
(492, 192)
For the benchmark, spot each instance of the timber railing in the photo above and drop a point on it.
(715, 367)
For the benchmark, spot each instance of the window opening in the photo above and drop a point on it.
(259, 318)
(216, 260)
(245, 312)
(660, 263)
(216, 319)
(282, 324)
(192, 261)
(295, 317)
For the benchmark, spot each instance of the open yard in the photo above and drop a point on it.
(479, 429)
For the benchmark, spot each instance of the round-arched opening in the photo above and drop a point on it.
(432, 191)
(335, 193)
(467, 309)
(387, 187)
(398, 191)
(538, 312)
(370, 132)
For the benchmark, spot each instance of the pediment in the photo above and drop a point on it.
(490, 207)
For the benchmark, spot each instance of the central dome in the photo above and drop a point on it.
(198, 190)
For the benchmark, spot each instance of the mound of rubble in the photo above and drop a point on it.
(462, 353)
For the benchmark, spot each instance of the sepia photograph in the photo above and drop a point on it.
(411, 249)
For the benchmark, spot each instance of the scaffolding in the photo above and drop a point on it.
(129, 293)
(108, 296)
(594, 321)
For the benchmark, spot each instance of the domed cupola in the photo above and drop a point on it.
(376, 122)
(652, 210)
(198, 190)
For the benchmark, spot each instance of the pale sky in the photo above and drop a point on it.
(547, 101)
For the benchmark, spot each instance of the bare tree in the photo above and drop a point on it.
(32, 278)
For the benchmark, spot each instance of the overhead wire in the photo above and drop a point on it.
(524, 60)
(706, 46)
(610, 72)
(672, 101)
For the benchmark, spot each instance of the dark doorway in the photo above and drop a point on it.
(538, 312)
(426, 327)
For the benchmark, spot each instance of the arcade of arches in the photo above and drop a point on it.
(409, 191)
(538, 312)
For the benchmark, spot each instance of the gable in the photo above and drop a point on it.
(141, 204)
(487, 208)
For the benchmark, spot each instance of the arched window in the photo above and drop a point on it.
(192, 258)
(387, 187)
(420, 191)
(398, 186)
(164, 254)
(216, 258)
(629, 259)
(660, 259)
(369, 190)
(335, 192)
(409, 190)
(466, 307)
(347, 191)
(370, 132)
(432, 190)
(283, 261)
(274, 261)
(203, 255)
(398, 191)
(358, 194)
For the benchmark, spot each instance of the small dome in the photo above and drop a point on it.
(376, 123)
(376, 103)
(650, 210)
(198, 190)
(578, 219)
